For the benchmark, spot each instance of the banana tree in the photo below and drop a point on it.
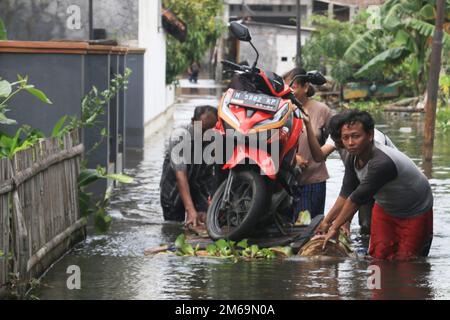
(403, 41)
(328, 44)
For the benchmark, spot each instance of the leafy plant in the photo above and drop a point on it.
(3, 33)
(444, 86)
(443, 119)
(93, 106)
(226, 249)
(372, 106)
(182, 247)
(9, 90)
(24, 138)
(203, 31)
(102, 221)
(403, 43)
(328, 44)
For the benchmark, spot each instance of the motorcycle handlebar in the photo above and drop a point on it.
(295, 101)
(234, 66)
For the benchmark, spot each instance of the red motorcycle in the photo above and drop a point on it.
(259, 106)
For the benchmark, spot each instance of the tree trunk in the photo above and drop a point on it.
(432, 89)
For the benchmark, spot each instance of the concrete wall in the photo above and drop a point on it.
(120, 18)
(273, 43)
(152, 37)
(135, 102)
(43, 20)
(131, 22)
(50, 73)
(280, 11)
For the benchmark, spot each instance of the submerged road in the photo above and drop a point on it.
(113, 265)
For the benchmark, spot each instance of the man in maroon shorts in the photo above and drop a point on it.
(402, 217)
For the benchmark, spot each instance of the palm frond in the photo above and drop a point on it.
(426, 29)
(361, 45)
(388, 55)
(393, 18)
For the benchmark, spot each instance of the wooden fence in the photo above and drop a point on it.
(39, 209)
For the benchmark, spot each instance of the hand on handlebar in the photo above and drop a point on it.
(306, 117)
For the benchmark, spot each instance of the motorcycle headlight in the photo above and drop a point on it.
(226, 110)
(277, 116)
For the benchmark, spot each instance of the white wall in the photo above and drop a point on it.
(273, 42)
(286, 45)
(152, 38)
(170, 95)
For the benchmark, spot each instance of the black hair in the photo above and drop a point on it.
(334, 126)
(296, 72)
(350, 117)
(300, 81)
(201, 110)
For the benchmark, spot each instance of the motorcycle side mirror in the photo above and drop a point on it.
(240, 31)
(315, 77)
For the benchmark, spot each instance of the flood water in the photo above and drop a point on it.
(113, 265)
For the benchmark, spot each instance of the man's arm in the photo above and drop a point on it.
(179, 151)
(334, 211)
(318, 153)
(185, 194)
(349, 184)
(346, 214)
(331, 216)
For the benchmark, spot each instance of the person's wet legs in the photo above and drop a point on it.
(400, 239)
(309, 198)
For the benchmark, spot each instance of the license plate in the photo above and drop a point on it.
(255, 101)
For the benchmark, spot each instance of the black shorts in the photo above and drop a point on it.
(177, 212)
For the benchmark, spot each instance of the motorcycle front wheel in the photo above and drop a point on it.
(248, 199)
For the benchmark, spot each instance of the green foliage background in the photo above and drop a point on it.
(328, 44)
(204, 27)
(3, 34)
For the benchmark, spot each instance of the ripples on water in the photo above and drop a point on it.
(113, 265)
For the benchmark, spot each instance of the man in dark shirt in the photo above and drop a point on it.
(320, 153)
(186, 183)
(402, 217)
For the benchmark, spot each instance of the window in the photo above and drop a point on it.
(261, 7)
